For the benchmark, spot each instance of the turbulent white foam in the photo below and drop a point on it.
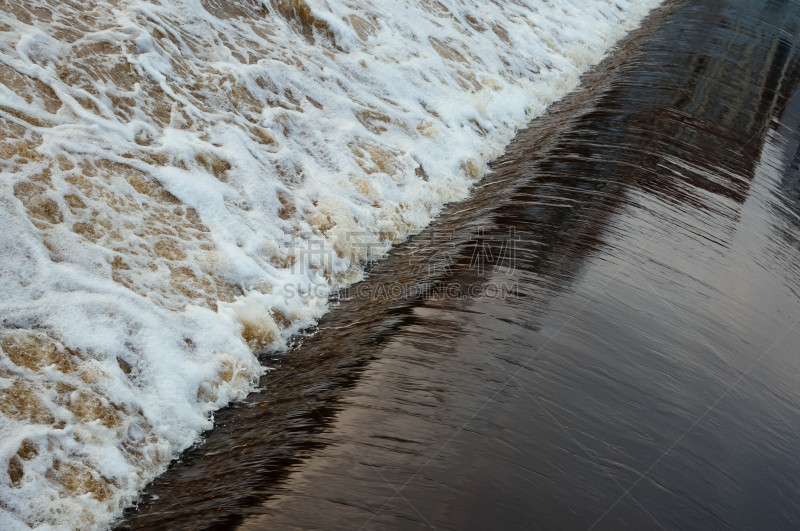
(166, 167)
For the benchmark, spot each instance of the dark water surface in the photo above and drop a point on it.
(609, 336)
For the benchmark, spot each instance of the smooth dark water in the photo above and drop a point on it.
(604, 336)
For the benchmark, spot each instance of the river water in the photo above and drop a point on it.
(603, 336)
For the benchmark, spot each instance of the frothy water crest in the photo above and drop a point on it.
(164, 161)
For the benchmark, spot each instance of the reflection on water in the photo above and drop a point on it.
(632, 359)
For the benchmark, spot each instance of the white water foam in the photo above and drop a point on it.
(164, 161)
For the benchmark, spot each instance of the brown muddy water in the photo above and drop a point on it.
(604, 336)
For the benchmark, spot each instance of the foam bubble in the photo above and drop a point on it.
(169, 169)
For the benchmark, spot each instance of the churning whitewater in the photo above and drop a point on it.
(167, 165)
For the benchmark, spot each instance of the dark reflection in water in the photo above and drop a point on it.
(632, 361)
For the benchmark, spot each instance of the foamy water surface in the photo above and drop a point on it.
(167, 165)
